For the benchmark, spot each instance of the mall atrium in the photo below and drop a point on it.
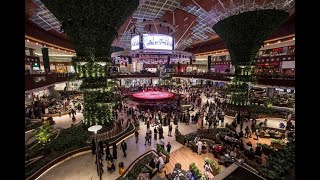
(160, 89)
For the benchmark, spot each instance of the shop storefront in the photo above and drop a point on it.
(288, 68)
(129, 82)
(264, 67)
(222, 67)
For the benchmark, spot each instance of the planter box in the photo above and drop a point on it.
(180, 139)
(214, 170)
(277, 145)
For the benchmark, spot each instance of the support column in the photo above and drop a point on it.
(270, 92)
(45, 58)
(51, 90)
(209, 64)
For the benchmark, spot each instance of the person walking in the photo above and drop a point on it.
(93, 147)
(69, 113)
(100, 147)
(168, 147)
(148, 125)
(207, 170)
(155, 132)
(247, 132)
(149, 137)
(107, 150)
(170, 130)
(160, 132)
(199, 144)
(265, 122)
(162, 142)
(114, 151)
(136, 134)
(241, 125)
(146, 138)
(257, 132)
(123, 147)
(72, 112)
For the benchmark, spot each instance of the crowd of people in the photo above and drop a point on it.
(209, 114)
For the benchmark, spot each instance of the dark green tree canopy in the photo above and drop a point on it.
(92, 25)
(245, 33)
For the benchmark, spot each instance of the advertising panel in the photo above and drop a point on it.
(157, 41)
(135, 42)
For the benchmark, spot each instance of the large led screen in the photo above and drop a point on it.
(135, 42)
(157, 41)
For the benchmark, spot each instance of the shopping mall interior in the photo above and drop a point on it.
(159, 89)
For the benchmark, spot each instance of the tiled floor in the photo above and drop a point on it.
(82, 167)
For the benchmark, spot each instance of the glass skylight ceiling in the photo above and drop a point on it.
(44, 18)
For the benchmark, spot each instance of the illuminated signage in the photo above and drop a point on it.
(157, 41)
(135, 42)
(279, 89)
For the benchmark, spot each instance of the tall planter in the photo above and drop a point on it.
(243, 35)
(92, 25)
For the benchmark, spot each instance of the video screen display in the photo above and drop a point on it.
(135, 42)
(157, 41)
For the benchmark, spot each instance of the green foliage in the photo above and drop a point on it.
(244, 33)
(257, 110)
(279, 163)
(163, 151)
(266, 149)
(74, 136)
(54, 95)
(196, 170)
(92, 25)
(138, 167)
(269, 102)
(68, 140)
(243, 46)
(213, 163)
(239, 92)
(278, 141)
(43, 133)
(179, 137)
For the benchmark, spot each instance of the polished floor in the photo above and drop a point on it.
(82, 167)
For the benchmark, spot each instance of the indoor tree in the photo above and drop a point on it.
(92, 26)
(243, 35)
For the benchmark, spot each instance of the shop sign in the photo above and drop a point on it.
(279, 89)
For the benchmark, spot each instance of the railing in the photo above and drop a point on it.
(48, 79)
(277, 82)
(52, 78)
(117, 129)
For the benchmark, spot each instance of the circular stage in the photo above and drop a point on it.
(153, 95)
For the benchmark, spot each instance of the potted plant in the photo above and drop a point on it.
(164, 152)
(196, 172)
(44, 133)
(216, 169)
(266, 149)
(278, 144)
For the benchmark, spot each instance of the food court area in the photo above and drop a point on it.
(49, 103)
(212, 145)
(160, 90)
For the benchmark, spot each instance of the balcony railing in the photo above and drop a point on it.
(33, 81)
